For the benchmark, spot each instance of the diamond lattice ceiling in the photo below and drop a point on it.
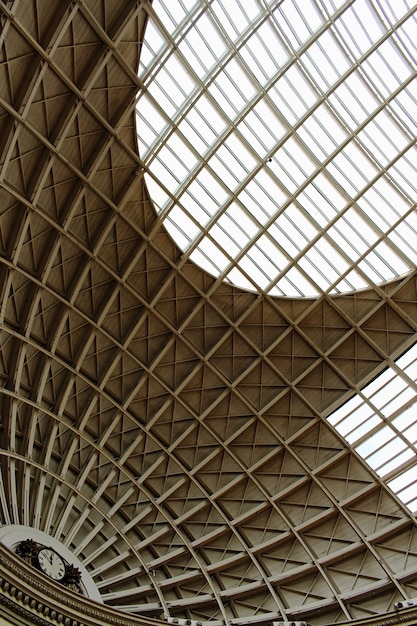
(168, 428)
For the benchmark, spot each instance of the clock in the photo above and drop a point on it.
(51, 563)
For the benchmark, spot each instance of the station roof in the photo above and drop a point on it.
(177, 425)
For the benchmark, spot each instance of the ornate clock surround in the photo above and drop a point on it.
(15, 536)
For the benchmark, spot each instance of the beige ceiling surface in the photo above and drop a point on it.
(167, 428)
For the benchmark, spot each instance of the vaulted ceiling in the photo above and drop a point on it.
(169, 428)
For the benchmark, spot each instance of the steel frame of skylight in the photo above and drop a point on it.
(374, 257)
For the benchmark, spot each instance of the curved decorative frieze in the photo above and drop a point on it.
(25, 594)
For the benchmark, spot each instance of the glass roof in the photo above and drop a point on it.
(380, 422)
(279, 138)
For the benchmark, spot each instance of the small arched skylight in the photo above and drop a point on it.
(279, 138)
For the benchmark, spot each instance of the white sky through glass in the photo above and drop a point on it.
(279, 139)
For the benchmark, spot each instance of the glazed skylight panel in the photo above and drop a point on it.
(381, 424)
(257, 56)
(282, 109)
(404, 236)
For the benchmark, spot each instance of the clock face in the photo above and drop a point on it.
(51, 563)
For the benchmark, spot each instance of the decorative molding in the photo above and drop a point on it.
(12, 535)
(27, 615)
(27, 594)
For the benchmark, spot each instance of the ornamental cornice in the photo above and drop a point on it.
(27, 615)
(25, 593)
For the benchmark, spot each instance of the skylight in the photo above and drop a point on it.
(381, 424)
(279, 138)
